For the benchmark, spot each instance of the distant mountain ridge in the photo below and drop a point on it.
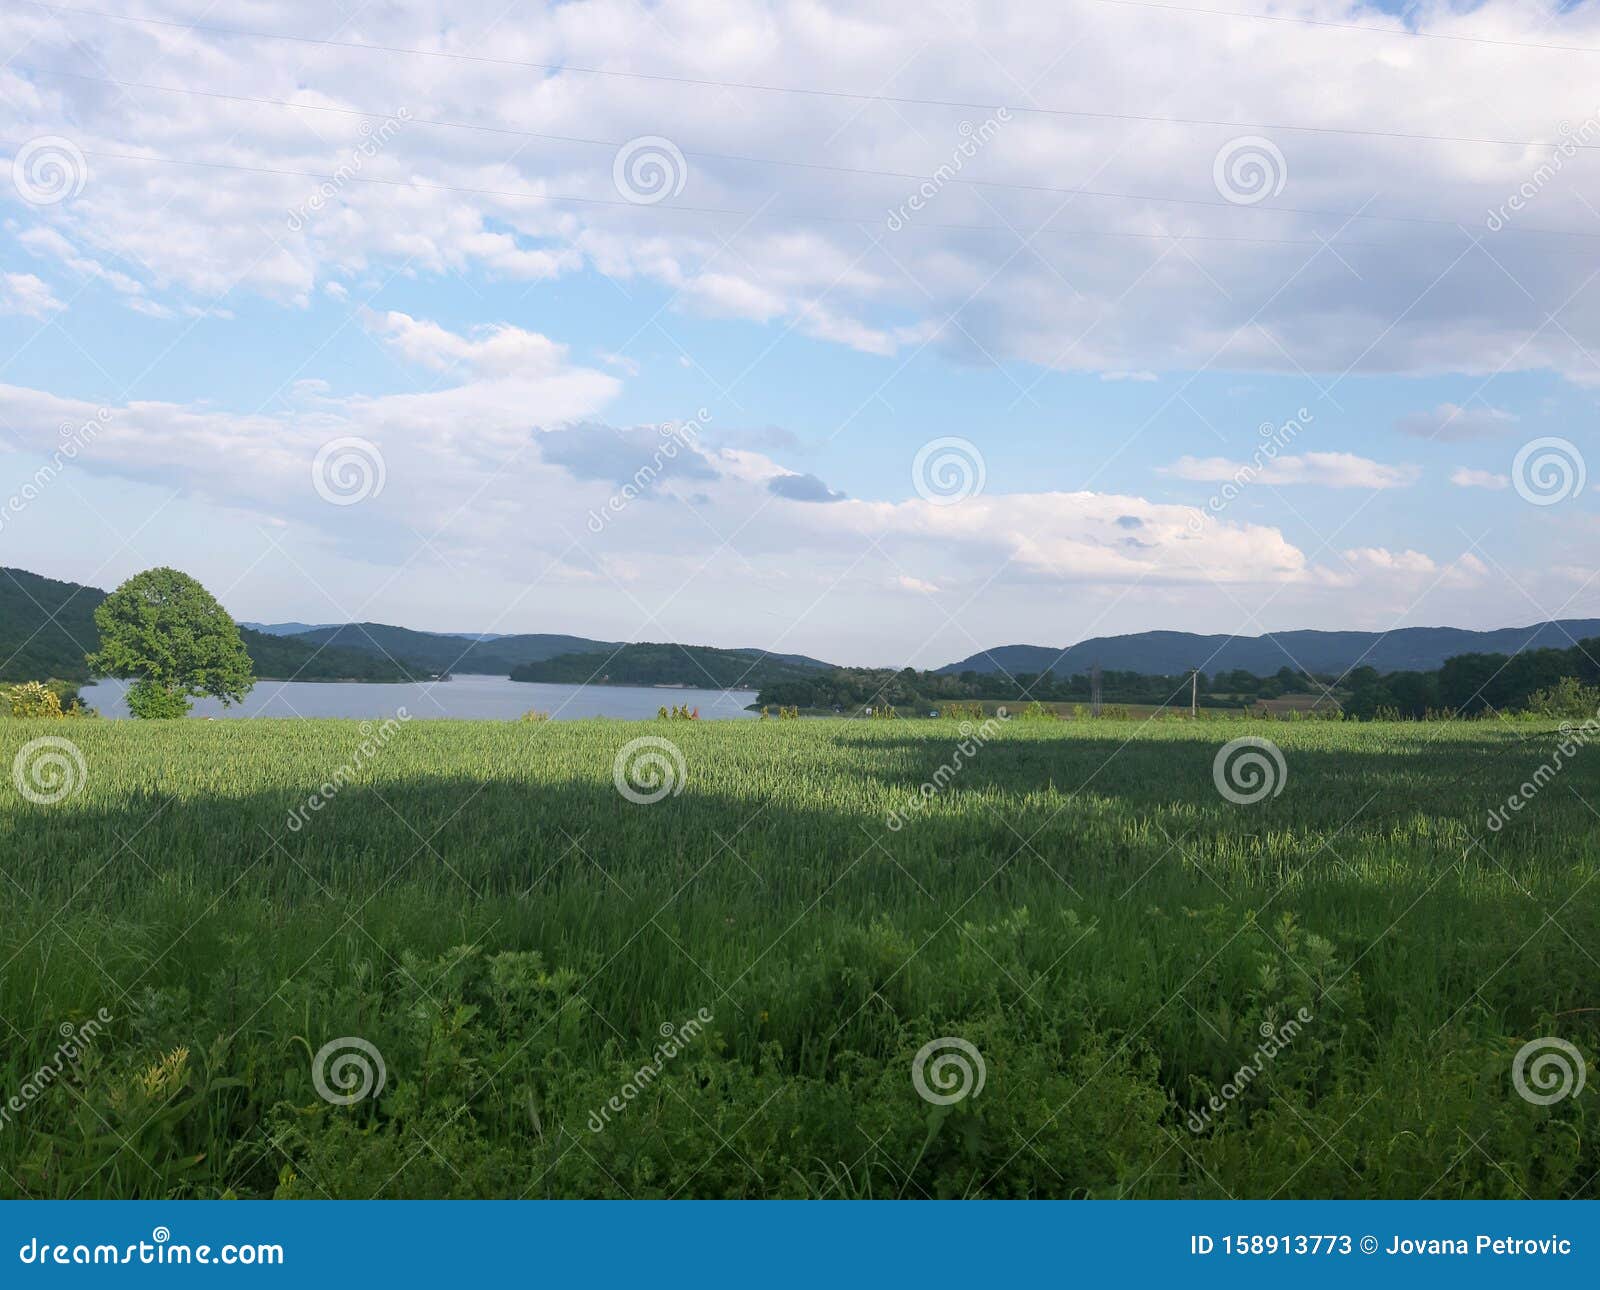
(1404, 649)
(300, 629)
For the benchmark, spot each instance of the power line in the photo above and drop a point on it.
(852, 96)
(802, 216)
(803, 165)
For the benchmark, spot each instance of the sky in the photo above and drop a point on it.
(876, 332)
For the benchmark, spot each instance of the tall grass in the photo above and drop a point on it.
(511, 935)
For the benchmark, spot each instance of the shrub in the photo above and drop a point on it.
(1568, 697)
(34, 700)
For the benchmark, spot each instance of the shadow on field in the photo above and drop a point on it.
(1143, 924)
(1090, 811)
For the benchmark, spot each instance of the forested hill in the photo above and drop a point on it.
(692, 666)
(46, 628)
(441, 653)
(1163, 653)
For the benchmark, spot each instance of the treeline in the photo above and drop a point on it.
(1554, 682)
(285, 658)
(852, 687)
(692, 666)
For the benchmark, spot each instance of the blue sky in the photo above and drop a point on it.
(1105, 364)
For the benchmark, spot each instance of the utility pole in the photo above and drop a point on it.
(1194, 692)
(1094, 690)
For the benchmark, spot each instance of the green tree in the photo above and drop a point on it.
(167, 634)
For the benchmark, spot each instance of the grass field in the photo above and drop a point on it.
(534, 986)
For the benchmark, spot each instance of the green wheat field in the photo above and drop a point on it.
(476, 968)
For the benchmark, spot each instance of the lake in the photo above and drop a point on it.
(482, 698)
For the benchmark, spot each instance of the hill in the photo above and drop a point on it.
(693, 666)
(437, 652)
(1164, 653)
(46, 628)
(300, 629)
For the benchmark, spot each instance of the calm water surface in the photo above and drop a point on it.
(477, 697)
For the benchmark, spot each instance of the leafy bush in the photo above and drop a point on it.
(1568, 697)
(32, 699)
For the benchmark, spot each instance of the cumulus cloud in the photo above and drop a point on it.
(1329, 469)
(1390, 570)
(1452, 423)
(500, 350)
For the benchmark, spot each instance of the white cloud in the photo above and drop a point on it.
(1465, 477)
(501, 350)
(1109, 284)
(1328, 469)
(22, 293)
(45, 241)
(1452, 423)
(1143, 377)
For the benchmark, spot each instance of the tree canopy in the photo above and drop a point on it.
(167, 634)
